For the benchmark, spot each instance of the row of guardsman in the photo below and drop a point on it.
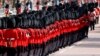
(40, 33)
(44, 17)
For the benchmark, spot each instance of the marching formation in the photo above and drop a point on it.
(39, 33)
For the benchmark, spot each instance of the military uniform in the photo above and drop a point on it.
(7, 9)
(18, 7)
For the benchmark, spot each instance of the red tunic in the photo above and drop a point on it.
(11, 37)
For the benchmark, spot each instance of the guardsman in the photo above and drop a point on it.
(31, 39)
(18, 7)
(4, 43)
(22, 41)
(87, 22)
(11, 37)
(97, 12)
(92, 20)
(6, 9)
(96, 16)
(37, 5)
(26, 9)
(25, 37)
(19, 42)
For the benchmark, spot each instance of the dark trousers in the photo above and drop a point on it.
(92, 25)
(97, 20)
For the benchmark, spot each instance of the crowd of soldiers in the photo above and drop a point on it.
(39, 33)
